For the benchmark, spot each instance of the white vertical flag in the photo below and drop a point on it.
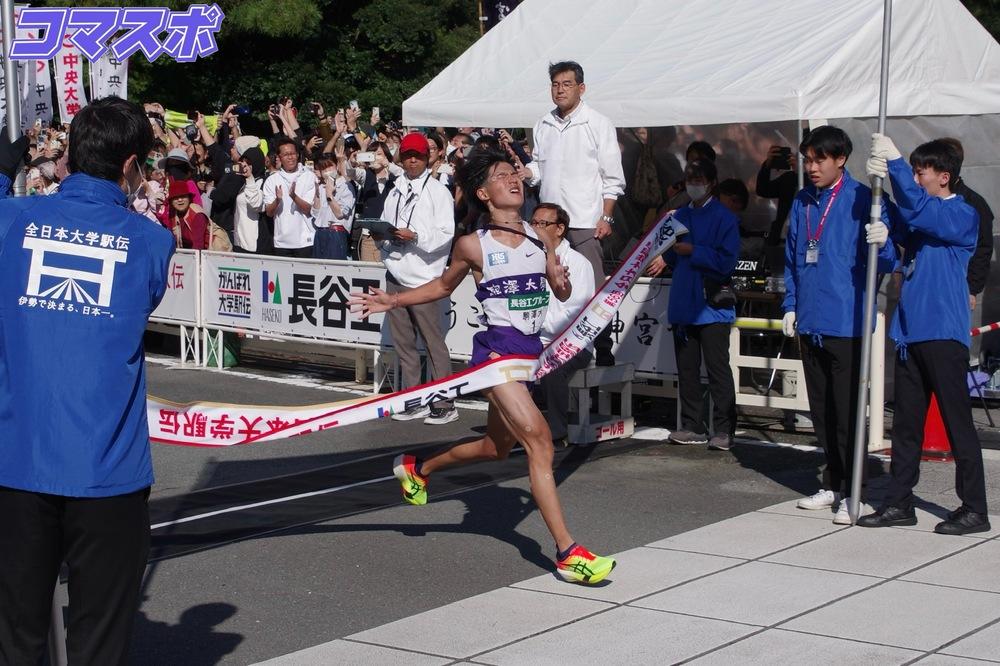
(36, 102)
(108, 76)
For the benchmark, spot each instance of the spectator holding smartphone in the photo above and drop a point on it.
(333, 210)
(249, 226)
(375, 182)
(777, 179)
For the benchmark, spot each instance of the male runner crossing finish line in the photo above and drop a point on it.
(511, 267)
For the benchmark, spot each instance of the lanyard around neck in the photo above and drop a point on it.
(822, 220)
(413, 195)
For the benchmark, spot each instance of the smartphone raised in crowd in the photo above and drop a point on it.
(365, 157)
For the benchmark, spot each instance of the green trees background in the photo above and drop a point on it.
(376, 51)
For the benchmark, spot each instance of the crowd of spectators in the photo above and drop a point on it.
(345, 164)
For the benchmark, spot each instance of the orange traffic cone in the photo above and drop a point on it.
(936, 445)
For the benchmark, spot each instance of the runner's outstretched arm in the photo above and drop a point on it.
(464, 258)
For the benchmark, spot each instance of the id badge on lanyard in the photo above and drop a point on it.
(812, 246)
(812, 252)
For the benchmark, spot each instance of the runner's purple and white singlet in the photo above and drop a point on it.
(514, 295)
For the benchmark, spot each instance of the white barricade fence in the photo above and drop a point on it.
(277, 297)
(180, 305)
(640, 334)
(306, 300)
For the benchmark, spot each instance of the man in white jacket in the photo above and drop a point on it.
(423, 213)
(551, 221)
(288, 198)
(578, 164)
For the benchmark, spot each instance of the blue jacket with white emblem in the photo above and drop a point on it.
(79, 276)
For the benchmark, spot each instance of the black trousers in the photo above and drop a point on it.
(104, 541)
(711, 342)
(295, 252)
(937, 366)
(832, 371)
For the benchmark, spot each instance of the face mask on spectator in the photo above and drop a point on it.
(696, 192)
(133, 193)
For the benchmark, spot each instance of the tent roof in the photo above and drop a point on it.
(660, 62)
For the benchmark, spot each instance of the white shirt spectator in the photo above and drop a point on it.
(293, 229)
(246, 215)
(427, 207)
(578, 163)
(560, 313)
(342, 194)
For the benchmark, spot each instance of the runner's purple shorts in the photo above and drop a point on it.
(503, 340)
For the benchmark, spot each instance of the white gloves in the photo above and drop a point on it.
(883, 150)
(877, 233)
(882, 146)
(877, 167)
(788, 324)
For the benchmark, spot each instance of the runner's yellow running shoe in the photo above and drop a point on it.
(582, 566)
(414, 485)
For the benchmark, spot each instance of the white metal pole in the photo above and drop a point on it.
(860, 441)
(12, 89)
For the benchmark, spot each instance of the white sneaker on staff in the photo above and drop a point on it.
(824, 499)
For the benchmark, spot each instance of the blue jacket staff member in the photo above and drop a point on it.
(80, 274)
(938, 231)
(702, 308)
(826, 256)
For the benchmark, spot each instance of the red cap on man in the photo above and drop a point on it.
(414, 142)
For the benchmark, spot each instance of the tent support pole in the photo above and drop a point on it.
(860, 441)
(800, 162)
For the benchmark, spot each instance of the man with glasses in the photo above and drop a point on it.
(577, 162)
(288, 199)
(422, 211)
(551, 222)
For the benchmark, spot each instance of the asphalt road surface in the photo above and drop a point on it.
(265, 549)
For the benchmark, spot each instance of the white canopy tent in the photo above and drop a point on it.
(657, 63)
(673, 62)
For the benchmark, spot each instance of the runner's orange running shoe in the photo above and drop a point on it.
(582, 566)
(404, 468)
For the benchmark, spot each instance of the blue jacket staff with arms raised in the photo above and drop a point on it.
(937, 230)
